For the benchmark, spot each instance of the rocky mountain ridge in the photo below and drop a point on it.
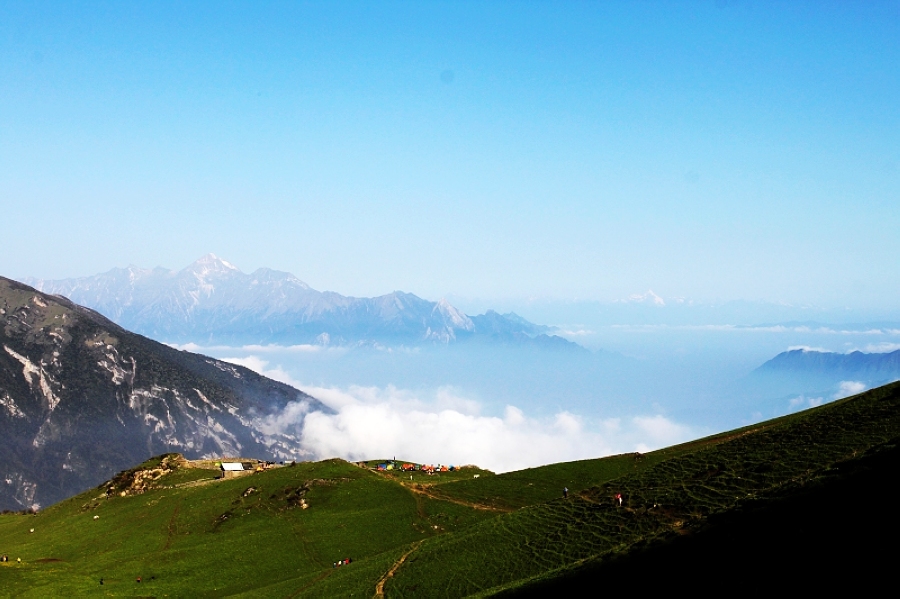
(804, 376)
(212, 302)
(856, 363)
(81, 398)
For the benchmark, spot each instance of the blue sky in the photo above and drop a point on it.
(713, 150)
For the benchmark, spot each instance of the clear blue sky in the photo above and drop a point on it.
(729, 150)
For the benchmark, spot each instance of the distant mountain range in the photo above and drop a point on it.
(854, 365)
(808, 374)
(82, 398)
(212, 302)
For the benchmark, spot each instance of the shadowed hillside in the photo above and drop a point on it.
(835, 533)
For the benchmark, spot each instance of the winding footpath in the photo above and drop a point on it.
(379, 588)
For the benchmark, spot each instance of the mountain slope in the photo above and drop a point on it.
(790, 481)
(82, 398)
(212, 302)
(675, 494)
(822, 537)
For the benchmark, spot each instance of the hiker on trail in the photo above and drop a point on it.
(619, 497)
(565, 492)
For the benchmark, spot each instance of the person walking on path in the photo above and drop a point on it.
(565, 492)
(619, 497)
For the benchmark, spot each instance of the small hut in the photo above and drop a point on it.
(233, 469)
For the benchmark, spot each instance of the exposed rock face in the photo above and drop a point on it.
(81, 399)
(137, 480)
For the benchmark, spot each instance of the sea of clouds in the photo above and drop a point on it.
(845, 389)
(442, 426)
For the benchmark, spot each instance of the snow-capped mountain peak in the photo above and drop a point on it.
(212, 301)
(210, 263)
(646, 298)
(457, 319)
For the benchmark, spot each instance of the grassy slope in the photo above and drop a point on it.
(835, 533)
(177, 541)
(665, 499)
(514, 490)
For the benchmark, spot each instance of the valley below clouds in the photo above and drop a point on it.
(507, 407)
(442, 426)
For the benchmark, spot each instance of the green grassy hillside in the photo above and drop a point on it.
(674, 495)
(835, 534)
(452, 534)
(189, 531)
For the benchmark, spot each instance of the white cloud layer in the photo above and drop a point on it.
(845, 389)
(808, 349)
(443, 427)
(802, 403)
(848, 388)
(778, 328)
(881, 348)
(303, 348)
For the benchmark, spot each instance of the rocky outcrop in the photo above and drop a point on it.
(82, 398)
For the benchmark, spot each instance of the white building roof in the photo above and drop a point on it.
(232, 466)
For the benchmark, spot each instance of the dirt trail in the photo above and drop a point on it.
(170, 527)
(722, 438)
(420, 506)
(421, 490)
(310, 584)
(196, 483)
(424, 490)
(584, 496)
(379, 588)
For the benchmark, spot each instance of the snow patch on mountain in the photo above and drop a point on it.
(11, 407)
(212, 301)
(31, 371)
(457, 319)
(118, 372)
(646, 298)
(24, 490)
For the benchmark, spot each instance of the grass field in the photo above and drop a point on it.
(449, 535)
(219, 537)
